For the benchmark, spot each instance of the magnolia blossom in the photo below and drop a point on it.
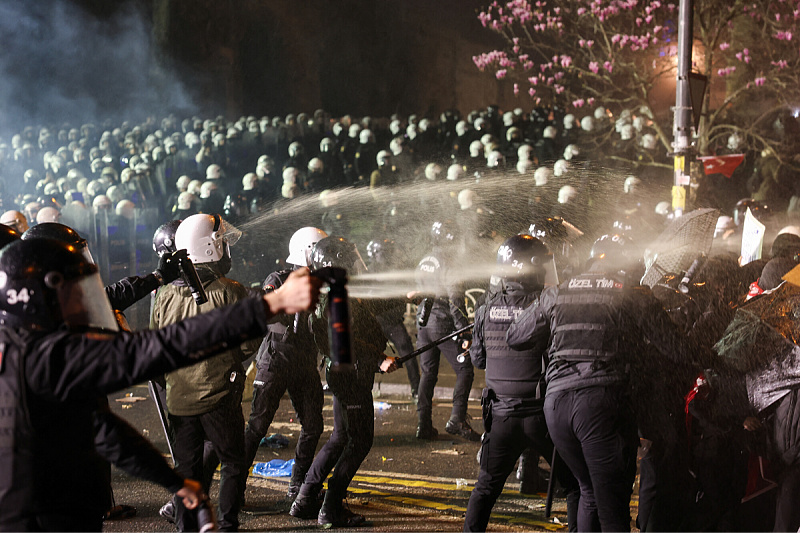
(760, 81)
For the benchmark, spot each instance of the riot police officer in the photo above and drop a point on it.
(287, 360)
(384, 256)
(353, 412)
(61, 351)
(515, 388)
(594, 325)
(447, 313)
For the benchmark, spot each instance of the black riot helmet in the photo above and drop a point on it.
(45, 284)
(759, 209)
(549, 229)
(522, 259)
(7, 235)
(59, 232)
(337, 252)
(164, 237)
(443, 233)
(382, 252)
(615, 251)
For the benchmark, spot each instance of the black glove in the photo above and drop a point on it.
(169, 268)
(465, 336)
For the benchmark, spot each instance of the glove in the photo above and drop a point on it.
(466, 336)
(169, 268)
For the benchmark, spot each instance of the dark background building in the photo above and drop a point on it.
(88, 59)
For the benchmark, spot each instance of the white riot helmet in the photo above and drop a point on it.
(214, 172)
(354, 131)
(649, 141)
(495, 159)
(524, 152)
(384, 158)
(600, 113)
(411, 131)
(290, 175)
(524, 166)
(316, 165)
(663, 208)
(630, 184)
(462, 127)
(569, 121)
(475, 148)
(207, 188)
(289, 190)
(395, 126)
(455, 172)
(571, 151)
(626, 132)
(206, 237)
(249, 181)
(433, 171)
(560, 168)
(542, 175)
(365, 137)
(101, 202)
(126, 209)
(587, 123)
(295, 149)
(301, 244)
(396, 145)
(48, 214)
(794, 230)
(466, 199)
(16, 220)
(566, 194)
(487, 139)
(194, 187)
(549, 132)
(185, 200)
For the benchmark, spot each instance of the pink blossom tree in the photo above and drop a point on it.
(621, 54)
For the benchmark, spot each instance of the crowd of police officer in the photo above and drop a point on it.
(571, 350)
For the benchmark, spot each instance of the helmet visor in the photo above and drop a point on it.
(84, 304)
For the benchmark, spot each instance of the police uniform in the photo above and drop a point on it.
(204, 401)
(448, 313)
(353, 414)
(37, 411)
(586, 322)
(513, 400)
(287, 360)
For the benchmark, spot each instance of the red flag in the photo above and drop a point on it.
(721, 164)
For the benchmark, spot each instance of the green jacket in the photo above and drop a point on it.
(197, 389)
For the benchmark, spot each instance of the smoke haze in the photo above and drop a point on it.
(62, 63)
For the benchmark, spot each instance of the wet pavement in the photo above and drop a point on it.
(404, 484)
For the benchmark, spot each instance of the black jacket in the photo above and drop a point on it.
(49, 385)
(597, 324)
(509, 372)
(435, 280)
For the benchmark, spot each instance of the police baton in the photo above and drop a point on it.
(400, 360)
(162, 416)
(551, 485)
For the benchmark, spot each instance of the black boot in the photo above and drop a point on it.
(462, 429)
(425, 429)
(295, 482)
(335, 514)
(307, 503)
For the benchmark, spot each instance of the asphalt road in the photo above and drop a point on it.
(403, 485)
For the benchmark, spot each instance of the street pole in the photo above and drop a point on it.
(682, 126)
